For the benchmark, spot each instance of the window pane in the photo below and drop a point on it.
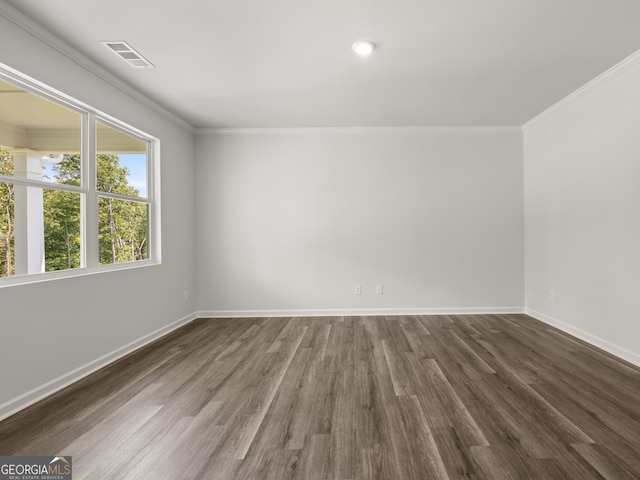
(66, 170)
(123, 230)
(61, 230)
(36, 132)
(39, 230)
(7, 229)
(121, 162)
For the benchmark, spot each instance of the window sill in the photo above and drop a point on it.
(76, 272)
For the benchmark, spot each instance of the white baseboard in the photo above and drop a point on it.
(29, 398)
(357, 312)
(594, 340)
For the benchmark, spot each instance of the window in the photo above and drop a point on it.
(121, 182)
(76, 186)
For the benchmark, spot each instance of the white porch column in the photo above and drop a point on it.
(29, 216)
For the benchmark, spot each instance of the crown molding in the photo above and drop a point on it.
(357, 130)
(40, 33)
(621, 67)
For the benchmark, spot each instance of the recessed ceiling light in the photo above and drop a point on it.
(364, 48)
(127, 53)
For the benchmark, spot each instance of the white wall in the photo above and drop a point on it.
(582, 209)
(52, 332)
(291, 221)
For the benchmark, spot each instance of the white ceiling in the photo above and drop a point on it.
(288, 63)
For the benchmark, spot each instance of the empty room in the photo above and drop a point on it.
(319, 240)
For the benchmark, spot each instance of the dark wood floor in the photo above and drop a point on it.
(414, 397)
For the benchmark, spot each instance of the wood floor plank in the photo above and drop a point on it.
(443, 397)
(398, 371)
(343, 439)
(424, 457)
(265, 396)
(607, 464)
(441, 403)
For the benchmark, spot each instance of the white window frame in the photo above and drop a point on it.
(89, 193)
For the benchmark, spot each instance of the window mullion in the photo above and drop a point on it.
(26, 182)
(126, 198)
(153, 194)
(90, 204)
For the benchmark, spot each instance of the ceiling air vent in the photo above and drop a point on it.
(128, 54)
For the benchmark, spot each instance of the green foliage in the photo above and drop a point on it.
(122, 224)
(61, 230)
(62, 218)
(7, 192)
(122, 230)
(68, 170)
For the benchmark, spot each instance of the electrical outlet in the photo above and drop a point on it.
(357, 290)
(379, 290)
(185, 296)
(552, 295)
